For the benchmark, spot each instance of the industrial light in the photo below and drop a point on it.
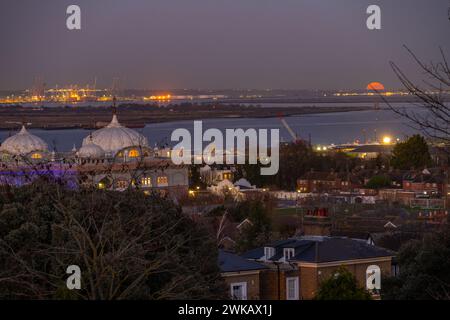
(387, 140)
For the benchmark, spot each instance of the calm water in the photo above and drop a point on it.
(323, 128)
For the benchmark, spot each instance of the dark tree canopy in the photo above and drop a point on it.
(413, 153)
(128, 246)
(342, 286)
(378, 182)
(296, 159)
(424, 270)
(258, 232)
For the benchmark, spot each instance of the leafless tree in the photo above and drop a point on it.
(128, 245)
(432, 115)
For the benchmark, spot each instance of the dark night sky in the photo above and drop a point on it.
(298, 44)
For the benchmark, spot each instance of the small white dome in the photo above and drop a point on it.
(243, 183)
(23, 143)
(115, 137)
(91, 150)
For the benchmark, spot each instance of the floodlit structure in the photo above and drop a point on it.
(113, 158)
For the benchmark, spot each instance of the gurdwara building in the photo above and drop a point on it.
(114, 157)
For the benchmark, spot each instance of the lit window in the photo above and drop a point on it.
(146, 181)
(122, 184)
(133, 153)
(101, 185)
(36, 156)
(163, 181)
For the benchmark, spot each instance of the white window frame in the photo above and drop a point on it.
(288, 253)
(269, 249)
(296, 288)
(244, 289)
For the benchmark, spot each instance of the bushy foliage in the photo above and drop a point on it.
(424, 270)
(258, 231)
(128, 246)
(378, 182)
(342, 286)
(413, 153)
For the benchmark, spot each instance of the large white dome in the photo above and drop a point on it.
(23, 143)
(115, 137)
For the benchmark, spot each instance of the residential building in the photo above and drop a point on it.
(242, 276)
(309, 260)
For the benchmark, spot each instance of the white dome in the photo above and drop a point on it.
(23, 143)
(91, 150)
(115, 137)
(243, 183)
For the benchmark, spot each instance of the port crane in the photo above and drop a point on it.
(294, 136)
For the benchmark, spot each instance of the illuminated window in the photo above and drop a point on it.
(163, 181)
(122, 184)
(133, 153)
(101, 185)
(146, 181)
(36, 156)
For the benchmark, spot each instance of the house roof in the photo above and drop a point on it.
(421, 177)
(230, 262)
(378, 148)
(318, 249)
(331, 176)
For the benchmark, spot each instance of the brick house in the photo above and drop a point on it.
(424, 182)
(317, 182)
(397, 196)
(242, 276)
(297, 266)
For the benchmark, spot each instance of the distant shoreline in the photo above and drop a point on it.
(136, 116)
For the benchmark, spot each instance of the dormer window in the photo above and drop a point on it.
(288, 253)
(269, 252)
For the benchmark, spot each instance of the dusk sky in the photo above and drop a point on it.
(217, 44)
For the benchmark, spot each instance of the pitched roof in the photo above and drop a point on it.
(420, 177)
(379, 148)
(230, 262)
(319, 249)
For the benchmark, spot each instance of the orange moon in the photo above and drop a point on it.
(376, 86)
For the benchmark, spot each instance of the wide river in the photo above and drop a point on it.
(337, 128)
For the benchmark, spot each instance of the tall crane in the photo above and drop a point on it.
(294, 136)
